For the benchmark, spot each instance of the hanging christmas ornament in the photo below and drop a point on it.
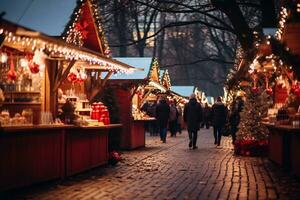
(254, 90)
(72, 77)
(296, 90)
(39, 58)
(12, 75)
(3, 57)
(34, 68)
(269, 91)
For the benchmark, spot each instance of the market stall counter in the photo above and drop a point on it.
(284, 146)
(138, 138)
(32, 154)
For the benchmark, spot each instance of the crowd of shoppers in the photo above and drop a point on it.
(171, 116)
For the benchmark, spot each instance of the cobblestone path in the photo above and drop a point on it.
(172, 171)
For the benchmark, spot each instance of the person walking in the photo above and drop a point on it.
(192, 116)
(206, 116)
(173, 119)
(234, 118)
(180, 118)
(162, 116)
(219, 114)
(151, 112)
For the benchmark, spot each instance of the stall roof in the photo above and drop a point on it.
(137, 62)
(16, 35)
(183, 90)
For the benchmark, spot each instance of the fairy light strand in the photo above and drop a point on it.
(63, 51)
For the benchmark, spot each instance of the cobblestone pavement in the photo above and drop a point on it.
(172, 171)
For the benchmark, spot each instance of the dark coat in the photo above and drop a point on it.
(162, 113)
(207, 114)
(235, 117)
(219, 114)
(192, 115)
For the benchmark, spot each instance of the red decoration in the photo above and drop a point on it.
(296, 90)
(255, 90)
(12, 75)
(269, 91)
(34, 68)
(114, 157)
(72, 77)
(251, 147)
(81, 27)
(100, 113)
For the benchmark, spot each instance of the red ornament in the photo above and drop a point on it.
(34, 68)
(12, 75)
(269, 91)
(72, 77)
(255, 90)
(297, 91)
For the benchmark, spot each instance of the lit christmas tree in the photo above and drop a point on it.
(252, 136)
(255, 108)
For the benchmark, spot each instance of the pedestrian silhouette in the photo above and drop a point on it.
(192, 115)
(219, 114)
(162, 116)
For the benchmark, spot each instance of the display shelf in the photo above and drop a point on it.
(20, 103)
(21, 92)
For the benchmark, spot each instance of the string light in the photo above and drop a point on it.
(283, 17)
(63, 51)
(75, 36)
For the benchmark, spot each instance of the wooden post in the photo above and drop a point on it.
(50, 95)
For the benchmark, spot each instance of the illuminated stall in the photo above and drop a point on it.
(39, 75)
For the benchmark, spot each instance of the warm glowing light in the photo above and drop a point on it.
(3, 57)
(23, 62)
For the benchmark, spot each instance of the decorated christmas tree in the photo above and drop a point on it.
(252, 134)
(255, 108)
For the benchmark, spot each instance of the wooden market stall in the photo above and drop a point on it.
(34, 69)
(133, 91)
(278, 62)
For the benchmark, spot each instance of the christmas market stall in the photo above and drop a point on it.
(269, 120)
(284, 119)
(136, 93)
(41, 75)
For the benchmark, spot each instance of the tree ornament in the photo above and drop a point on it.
(254, 90)
(72, 77)
(269, 91)
(12, 75)
(34, 68)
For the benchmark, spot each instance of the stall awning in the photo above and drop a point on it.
(22, 38)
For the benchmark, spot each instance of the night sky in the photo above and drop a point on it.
(47, 16)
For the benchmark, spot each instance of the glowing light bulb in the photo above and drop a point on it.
(3, 57)
(23, 62)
